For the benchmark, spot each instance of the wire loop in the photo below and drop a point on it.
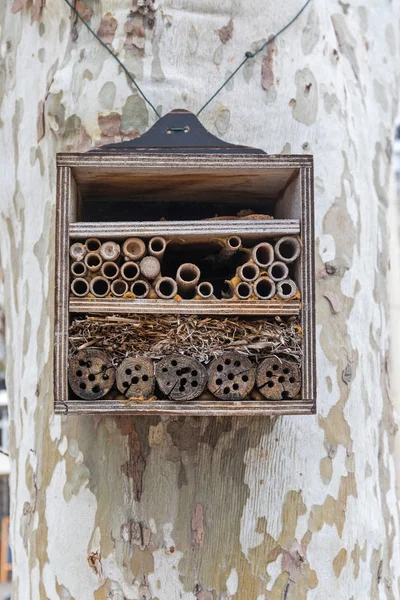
(247, 55)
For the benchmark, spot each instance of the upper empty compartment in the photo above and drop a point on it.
(179, 193)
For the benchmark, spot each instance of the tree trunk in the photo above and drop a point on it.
(206, 508)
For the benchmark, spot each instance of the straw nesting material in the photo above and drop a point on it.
(204, 338)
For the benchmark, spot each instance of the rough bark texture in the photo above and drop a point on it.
(168, 509)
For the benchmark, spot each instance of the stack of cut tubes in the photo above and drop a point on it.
(135, 270)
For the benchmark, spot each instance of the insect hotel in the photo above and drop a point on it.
(184, 277)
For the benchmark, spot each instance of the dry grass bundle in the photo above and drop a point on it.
(203, 338)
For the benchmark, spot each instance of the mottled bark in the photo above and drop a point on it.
(175, 508)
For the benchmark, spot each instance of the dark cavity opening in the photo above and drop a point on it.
(139, 289)
(286, 289)
(244, 290)
(110, 270)
(157, 245)
(119, 288)
(263, 255)
(78, 268)
(278, 271)
(287, 249)
(264, 288)
(80, 287)
(100, 287)
(166, 288)
(249, 272)
(92, 245)
(130, 270)
(93, 260)
(188, 274)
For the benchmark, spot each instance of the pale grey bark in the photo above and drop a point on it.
(296, 507)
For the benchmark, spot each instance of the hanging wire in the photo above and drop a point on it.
(128, 74)
(248, 55)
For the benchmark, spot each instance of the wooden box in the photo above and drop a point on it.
(122, 190)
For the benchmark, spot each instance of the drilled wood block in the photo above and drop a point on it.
(135, 378)
(231, 376)
(181, 377)
(278, 379)
(91, 374)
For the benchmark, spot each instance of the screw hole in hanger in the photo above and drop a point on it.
(185, 129)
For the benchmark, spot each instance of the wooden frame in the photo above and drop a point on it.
(298, 217)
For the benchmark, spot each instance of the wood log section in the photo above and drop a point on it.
(91, 374)
(181, 377)
(231, 376)
(278, 379)
(135, 378)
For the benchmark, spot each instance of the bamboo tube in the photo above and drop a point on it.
(243, 290)
(140, 288)
(233, 243)
(134, 249)
(78, 251)
(278, 271)
(110, 270)
(93, 244)
(130, 271)
(287, 249)
(119, 287)
(80, 287)
(205, 290)
(286, 289)
(93, 261)
(110, 251)
(166, 288)
(78, 269)
(150, 267)
(157, 246)
(249, 271)
(99, 286)
(263, 254)
(264, 288)
(187, 277)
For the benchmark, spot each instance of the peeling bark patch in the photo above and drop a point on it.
(40, 121)
(107, 28)
(339, 561)
(197, 527)
(311, 32)
(84, 12)
(346, 42)
(305, 106)
(267, 73)
(94, 562)
(135, 466)
(226, 32)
